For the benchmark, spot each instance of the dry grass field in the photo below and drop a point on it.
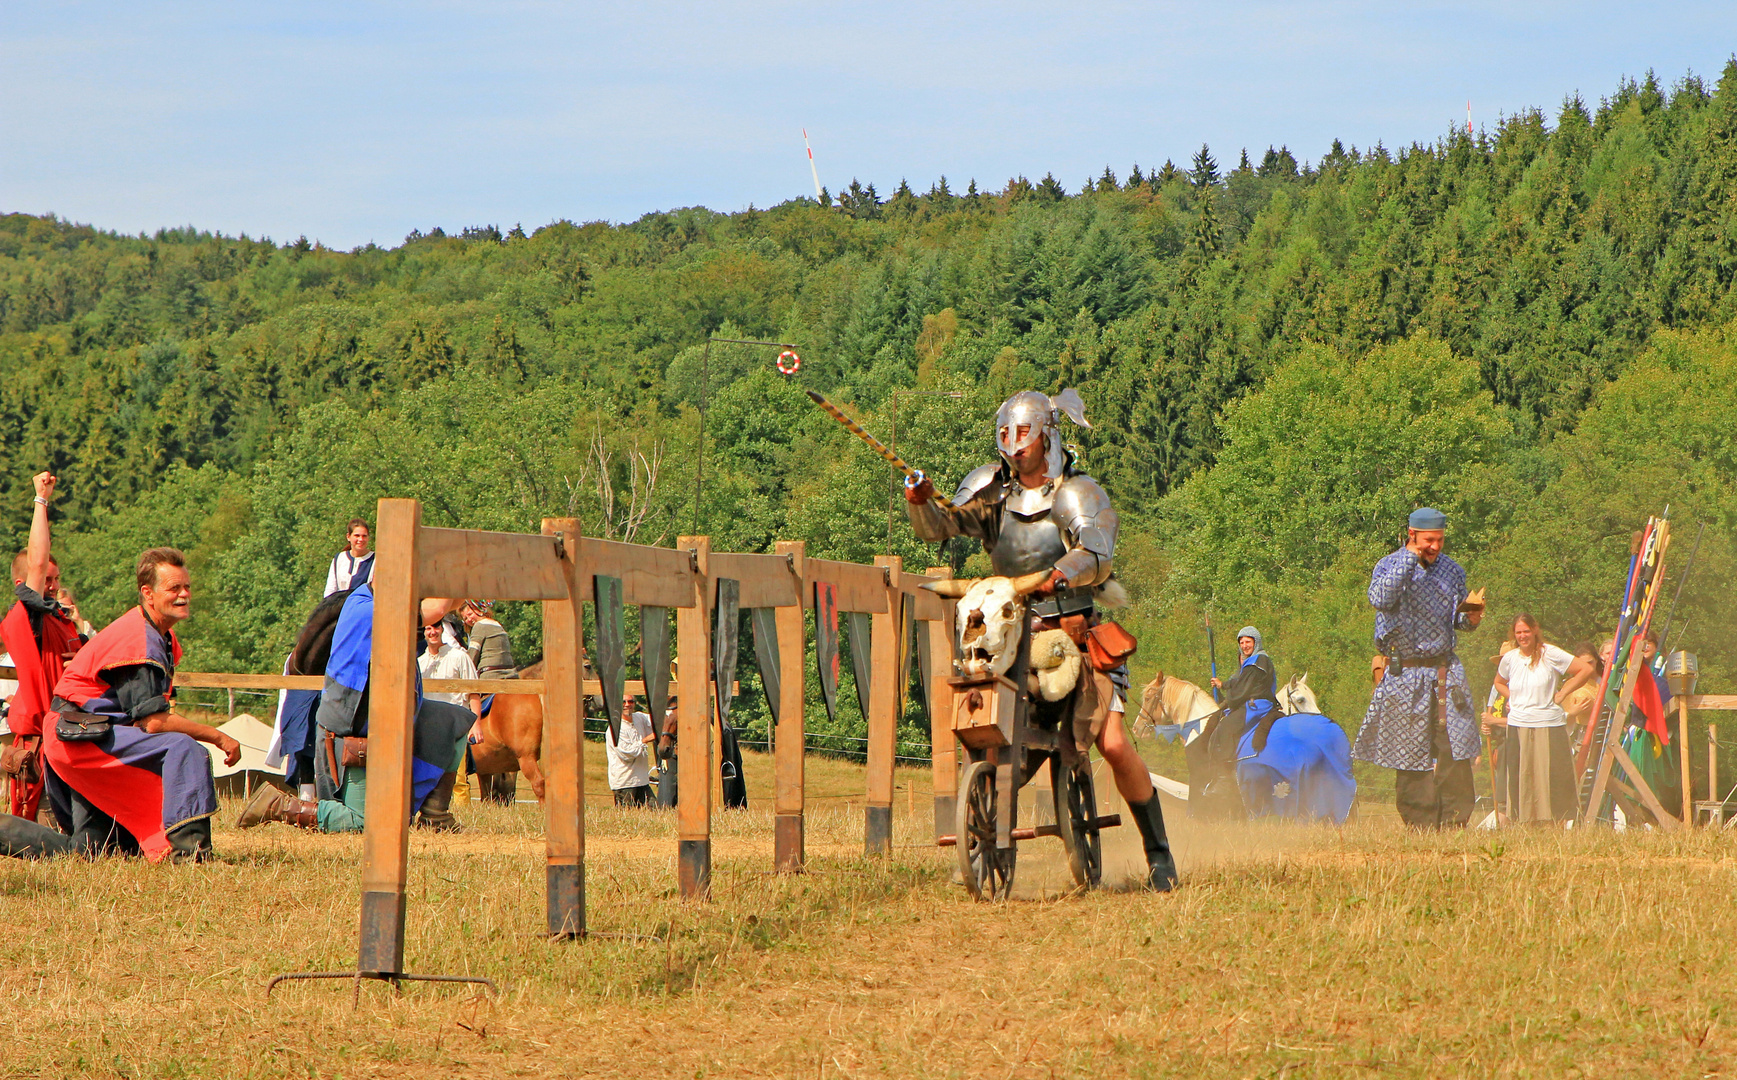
(1289, 951)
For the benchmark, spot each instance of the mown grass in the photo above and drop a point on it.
(1293, 951)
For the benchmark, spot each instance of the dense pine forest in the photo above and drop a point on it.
(1528, 327)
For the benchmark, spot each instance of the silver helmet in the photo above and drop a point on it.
(1039, 415)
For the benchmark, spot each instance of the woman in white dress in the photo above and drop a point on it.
(1535, 677)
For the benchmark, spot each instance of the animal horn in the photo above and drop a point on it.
(1026, 584)
(951, 588)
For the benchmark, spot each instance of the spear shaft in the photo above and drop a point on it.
(877, 446)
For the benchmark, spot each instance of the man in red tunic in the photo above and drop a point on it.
(135, 776)
(39, 638)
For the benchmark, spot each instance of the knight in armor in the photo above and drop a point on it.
(1035, 510)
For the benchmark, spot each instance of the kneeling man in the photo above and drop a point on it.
(129, 773)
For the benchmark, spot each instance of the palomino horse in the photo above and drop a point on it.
(512, 733)
(1303, 771)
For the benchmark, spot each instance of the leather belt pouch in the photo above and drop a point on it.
(81, 726)
(1108, 646)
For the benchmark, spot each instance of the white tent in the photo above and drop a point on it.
(254, 737)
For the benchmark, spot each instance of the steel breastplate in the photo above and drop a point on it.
(1026, 544)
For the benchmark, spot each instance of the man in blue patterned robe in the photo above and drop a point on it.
(1419, 596)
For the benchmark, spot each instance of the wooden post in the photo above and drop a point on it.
(392, 705)
(883, 718)
(564, 742)
(696, 766)
(789, 853)
(1716, 816)
(943, 748)
(1683, 753)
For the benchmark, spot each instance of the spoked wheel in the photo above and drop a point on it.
(1076, 812)
(987, 870)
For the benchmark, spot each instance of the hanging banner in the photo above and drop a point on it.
(861, 655)
(725, 633)
(826, 644)
(611, 650)
(654, 662)
(920, 647)
(765, 622)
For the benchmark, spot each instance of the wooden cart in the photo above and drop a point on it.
(1007, 736)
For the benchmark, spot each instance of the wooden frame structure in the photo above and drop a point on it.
(558, 568)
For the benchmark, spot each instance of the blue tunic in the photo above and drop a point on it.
(1416, 614)
(438, 731)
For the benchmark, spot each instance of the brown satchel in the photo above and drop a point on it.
(21, 762)
(353, 754)
(1108, 645)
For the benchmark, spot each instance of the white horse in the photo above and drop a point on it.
(1302, 771)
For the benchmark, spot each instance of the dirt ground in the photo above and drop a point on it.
(1288, 951)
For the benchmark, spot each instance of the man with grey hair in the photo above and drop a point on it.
(1420, 722)
(1035, 510)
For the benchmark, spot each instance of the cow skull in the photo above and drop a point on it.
(989, 614)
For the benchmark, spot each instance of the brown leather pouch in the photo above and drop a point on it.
(345, 753)
(1075, 627)
(1378, 668)
(20, 761)
(1108, 646)
(355, 753)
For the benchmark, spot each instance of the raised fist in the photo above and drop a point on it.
(44, 482)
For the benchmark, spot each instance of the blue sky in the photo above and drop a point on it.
(361, 121)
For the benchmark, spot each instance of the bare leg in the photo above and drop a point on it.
(1133, 779)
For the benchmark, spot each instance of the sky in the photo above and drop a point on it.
(358, 122)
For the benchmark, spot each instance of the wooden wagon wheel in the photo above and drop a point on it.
(1076, 813)
(986, 869)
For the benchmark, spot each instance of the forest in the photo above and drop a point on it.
(1529, 327)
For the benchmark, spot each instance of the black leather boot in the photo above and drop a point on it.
(191, 841)
(22, 838)
(437, 808)
(1161, 868)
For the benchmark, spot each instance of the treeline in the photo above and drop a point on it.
(1279, 358)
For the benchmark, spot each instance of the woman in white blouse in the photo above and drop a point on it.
(1535, 677)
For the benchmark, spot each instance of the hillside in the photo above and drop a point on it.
(1526, 327)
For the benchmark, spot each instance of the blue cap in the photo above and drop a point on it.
(1426, 518)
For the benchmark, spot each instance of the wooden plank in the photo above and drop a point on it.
(1683, 756)
(218, 680)
(1666, 822)
(925, 606)
(661, 577)
(859, 588)
(1712, 701)
(694, 750)
(766, 580)
(1612, 736)
(883, 718)
(392, 693)
(489, 565)
(564, 745)
(944, 749)
(210, 680)
(789, 760)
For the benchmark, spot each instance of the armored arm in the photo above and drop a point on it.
(933, 524)
(1088, 524)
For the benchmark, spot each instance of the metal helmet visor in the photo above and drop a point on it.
(1022, 420)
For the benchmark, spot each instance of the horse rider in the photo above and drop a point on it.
(1250, 697)
(1033, 510)
(1420, 721)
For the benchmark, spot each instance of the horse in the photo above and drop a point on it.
(1303, 771)
(512, 731)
